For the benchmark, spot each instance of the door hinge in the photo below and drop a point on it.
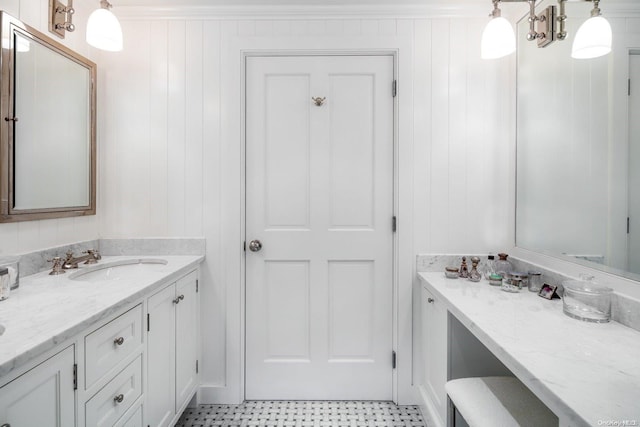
(394, 224)
(148, 322)
(197, 285)
(394, 88)
(244, 246)
(75, 376)
(196, 366)
(628, 225)
(629, 87)
(393, 360)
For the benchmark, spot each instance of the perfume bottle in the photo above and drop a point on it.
(474, 274)
(464, 272)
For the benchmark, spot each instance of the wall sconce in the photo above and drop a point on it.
(103, 29)
(61, 17)
(592, 39)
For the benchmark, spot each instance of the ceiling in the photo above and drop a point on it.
(289, 2)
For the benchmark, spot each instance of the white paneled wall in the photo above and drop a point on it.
(33, 235)
(171, 150)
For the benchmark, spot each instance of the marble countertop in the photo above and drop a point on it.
(47, 310)
(586, 373)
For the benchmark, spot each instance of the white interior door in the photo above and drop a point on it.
(319, 198)
(634, 164)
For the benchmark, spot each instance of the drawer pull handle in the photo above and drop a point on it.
(430, 300)
(178, 299)
(119, 398)
(118, 341)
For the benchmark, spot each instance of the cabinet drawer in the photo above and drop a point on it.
(112, 343)
(134, 419)
(110, 403)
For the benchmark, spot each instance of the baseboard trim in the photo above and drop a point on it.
(428, 410)
(217, 395)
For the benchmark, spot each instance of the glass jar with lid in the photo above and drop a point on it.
(502, 266)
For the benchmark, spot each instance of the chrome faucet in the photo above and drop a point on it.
(92, 256)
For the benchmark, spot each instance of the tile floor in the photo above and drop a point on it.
(303, 414)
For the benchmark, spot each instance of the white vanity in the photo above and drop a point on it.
(588, 374)
(105, 349)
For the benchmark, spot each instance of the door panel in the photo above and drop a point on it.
(287, 331)
(286, 137)
(352, 150)
(186, 351)
(634, 161)
(319, 196)
(161, 362)
(351, 310)
(44, 396)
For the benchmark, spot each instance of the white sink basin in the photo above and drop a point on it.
(118, 270)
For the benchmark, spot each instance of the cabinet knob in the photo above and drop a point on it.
(178, 299)
(119, 398)
(118, 341)
(430, 300)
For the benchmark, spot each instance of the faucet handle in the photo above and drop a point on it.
(69, 261)
(57, 266)
(94, 256)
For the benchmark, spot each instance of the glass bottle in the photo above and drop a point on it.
(502, 266)
(489, 267)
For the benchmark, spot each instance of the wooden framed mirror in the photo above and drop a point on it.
(47, 127)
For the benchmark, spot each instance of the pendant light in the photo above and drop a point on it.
(103, 29)
(498, 37)
(593, 38)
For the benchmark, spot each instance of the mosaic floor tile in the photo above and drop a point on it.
(303, 414)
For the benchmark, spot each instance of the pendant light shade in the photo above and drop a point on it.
(593, 39)
(103, 29)
(498, 39)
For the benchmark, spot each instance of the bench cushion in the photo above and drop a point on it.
(498, 402)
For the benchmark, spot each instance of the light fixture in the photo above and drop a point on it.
(593, 38)
(61, 17)
(103, 29)
(498, 38)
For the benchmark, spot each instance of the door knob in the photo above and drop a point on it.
(255, 245)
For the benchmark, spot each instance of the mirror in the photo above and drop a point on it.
(578, 145)
(48, 133)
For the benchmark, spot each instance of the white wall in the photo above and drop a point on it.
(28, 236)
(171, 148)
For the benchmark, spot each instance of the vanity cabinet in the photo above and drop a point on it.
(135, 365)
(172, 349)
(43, 396)
(434, 355)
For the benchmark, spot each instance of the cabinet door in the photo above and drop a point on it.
(435, 351)
(160, 390)
(186, 337)
(43, 396)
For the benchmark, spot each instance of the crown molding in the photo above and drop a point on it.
(466, 9)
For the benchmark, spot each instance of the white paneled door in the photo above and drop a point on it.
(319, 200)
(634, 160)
